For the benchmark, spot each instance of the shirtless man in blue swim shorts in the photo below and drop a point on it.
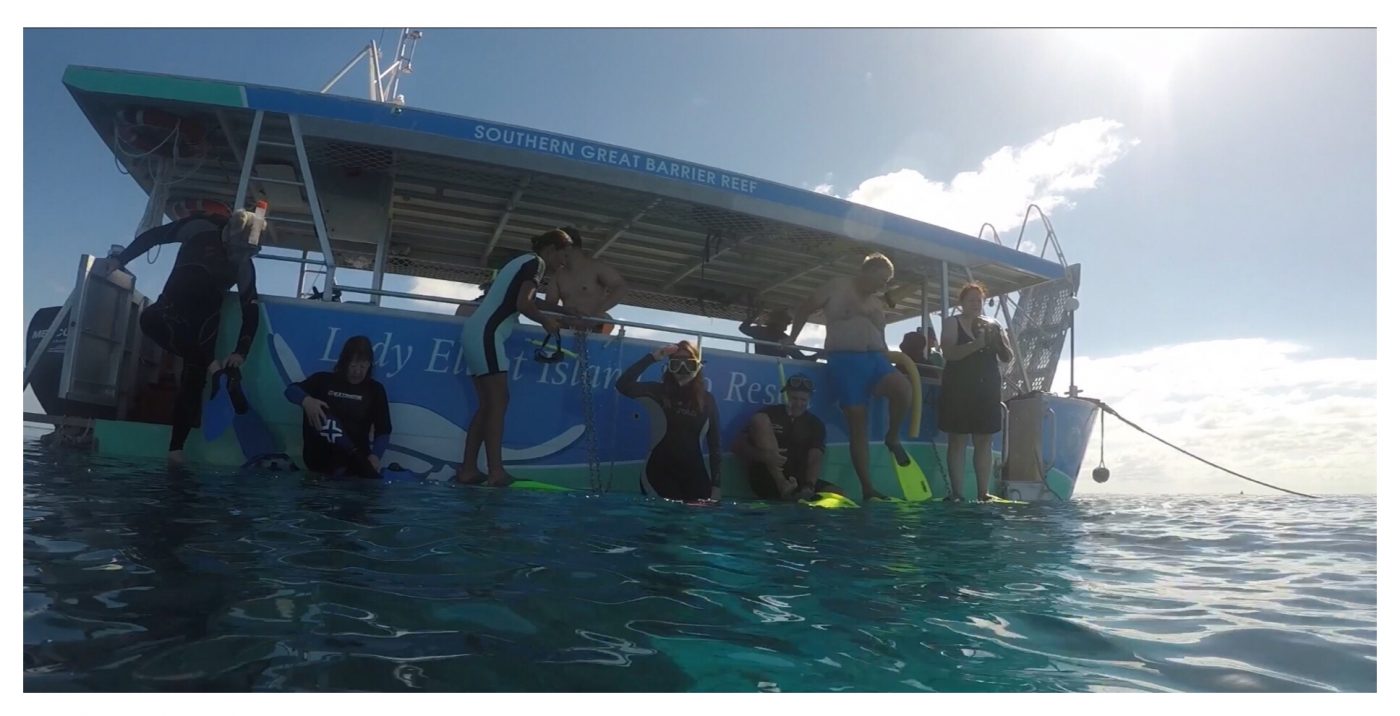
(857, 363)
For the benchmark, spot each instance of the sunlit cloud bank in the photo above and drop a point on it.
(1267, 409)
(1047, 171)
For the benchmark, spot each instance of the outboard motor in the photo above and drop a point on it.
(44, 379)
(1026, 462)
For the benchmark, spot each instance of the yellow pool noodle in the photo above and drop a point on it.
(917, 404)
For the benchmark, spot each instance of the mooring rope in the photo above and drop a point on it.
(1104, 406)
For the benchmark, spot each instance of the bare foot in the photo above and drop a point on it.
(175, 458)
(896, 447)
(872, 495)
(470, 476)
(789, 489)
(500, 480)
(780, 481)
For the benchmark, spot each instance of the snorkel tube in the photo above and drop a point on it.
(242, 233)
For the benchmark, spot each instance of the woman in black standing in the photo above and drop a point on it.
(970, 400)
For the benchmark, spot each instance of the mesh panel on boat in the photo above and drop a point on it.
(349, 155)
(1040, 324)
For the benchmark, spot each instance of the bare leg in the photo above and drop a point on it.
(495, 385)
(982, 463)
(894, 388)
(957, 445)
(761, 431)
(860, 449)
(468, 472)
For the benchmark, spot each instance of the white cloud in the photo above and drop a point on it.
(813, 335)
(651, 334)
(432, 287)
(1044, 172)
(1266, 409)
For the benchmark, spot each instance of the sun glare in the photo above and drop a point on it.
(1150, 56)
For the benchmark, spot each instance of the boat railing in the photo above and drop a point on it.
(586, 319)
(1052, 239)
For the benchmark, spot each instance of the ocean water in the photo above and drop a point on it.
(137, 578)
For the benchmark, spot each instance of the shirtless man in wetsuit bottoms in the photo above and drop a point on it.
(856, 358)
(585, 287)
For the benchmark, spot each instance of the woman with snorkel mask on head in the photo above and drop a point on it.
(676, 469)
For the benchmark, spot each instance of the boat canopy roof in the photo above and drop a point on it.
(457, 197)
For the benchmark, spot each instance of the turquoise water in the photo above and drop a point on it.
(136, 578)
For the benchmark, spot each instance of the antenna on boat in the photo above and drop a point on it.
(384, 81)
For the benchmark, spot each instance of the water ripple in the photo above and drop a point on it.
(136, 578)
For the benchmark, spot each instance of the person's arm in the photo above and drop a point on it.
(1003, 342)
(747, 328)
(815, 454)
(525, 299)
(712, 438)
(552, 301)
(309, 386)
(295, 393)
(815, 302)
(614, 287)
(955, 351)
(627, 382)
(302, 394)
(248, 300)
(172, 233)
(742, 446)
(381, 424)
(814, 469)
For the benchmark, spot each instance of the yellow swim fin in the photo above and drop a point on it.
(830, 500)
(912, 481)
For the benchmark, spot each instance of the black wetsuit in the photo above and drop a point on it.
(796, 438)
(969, 401)
(352, 411)
(676, 468)
(185, 318)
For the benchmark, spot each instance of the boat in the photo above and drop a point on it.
(376, 185)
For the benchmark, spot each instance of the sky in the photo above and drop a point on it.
(1218, 187)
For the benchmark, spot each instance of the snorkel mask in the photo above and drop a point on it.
(243, 234)
(683, 367)
(544, 355)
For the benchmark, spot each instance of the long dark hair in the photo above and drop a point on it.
(355, 347)
(693, 393)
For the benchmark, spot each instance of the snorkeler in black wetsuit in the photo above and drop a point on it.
(676, 468)
(215, 254)
(343, 407)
